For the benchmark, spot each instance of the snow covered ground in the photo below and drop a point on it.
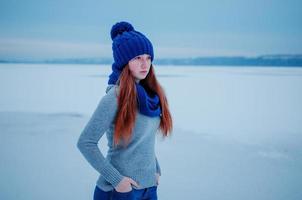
(237, 132)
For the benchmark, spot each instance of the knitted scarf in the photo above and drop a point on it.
(148, 103)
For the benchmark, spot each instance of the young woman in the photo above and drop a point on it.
(132, 111)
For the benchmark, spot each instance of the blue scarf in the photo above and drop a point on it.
(148, 103)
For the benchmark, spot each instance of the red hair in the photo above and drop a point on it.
(127, 105)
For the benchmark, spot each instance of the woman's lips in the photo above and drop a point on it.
(143, 72)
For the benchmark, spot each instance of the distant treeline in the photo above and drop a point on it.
(265, 60)
(237, 61)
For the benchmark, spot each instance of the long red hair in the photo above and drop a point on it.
(127, 105)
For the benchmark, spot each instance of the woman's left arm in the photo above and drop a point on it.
(158, 170)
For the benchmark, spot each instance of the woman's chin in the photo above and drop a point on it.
(141, 78)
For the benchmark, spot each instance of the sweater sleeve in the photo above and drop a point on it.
(158, 170)
(99, 122)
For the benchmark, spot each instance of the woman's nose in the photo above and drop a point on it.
(145, 62)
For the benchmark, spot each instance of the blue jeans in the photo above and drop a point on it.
(141, 194)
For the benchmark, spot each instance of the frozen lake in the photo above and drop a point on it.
(237, 132)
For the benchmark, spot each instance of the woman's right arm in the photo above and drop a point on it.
(87, 143)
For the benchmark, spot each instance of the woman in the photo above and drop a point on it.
(132, 111)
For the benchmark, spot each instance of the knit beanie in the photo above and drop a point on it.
(127, 43)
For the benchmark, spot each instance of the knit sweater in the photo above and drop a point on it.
(137, 161)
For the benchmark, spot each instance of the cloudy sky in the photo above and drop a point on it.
(73, 28)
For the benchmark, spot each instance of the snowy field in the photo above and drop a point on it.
(237, 132)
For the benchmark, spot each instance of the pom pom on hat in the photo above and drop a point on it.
(127, 43)
(119, 28)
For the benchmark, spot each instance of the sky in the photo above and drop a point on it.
(39, 29)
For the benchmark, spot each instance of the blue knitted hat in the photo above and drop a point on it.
(127, 43)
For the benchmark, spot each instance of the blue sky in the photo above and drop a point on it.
(56, 29)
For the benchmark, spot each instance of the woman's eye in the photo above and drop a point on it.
(138, 57)
(149, 57)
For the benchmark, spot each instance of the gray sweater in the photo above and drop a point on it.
(137, 161)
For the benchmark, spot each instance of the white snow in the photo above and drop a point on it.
(237, 132)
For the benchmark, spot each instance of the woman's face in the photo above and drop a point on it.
(140, 66)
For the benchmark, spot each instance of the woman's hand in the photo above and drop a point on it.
(125, 185)
(157, 178)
